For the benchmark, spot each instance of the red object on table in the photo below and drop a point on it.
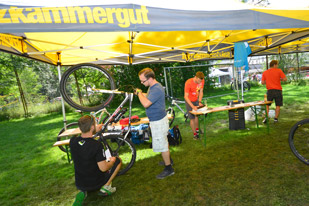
(125, 121)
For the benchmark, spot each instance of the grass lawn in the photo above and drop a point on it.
(244, 167)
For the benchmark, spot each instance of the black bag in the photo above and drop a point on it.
(174, 136)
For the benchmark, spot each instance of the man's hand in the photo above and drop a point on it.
(194, 108)
(99, 127)
(137, 91)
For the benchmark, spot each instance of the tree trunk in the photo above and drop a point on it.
(22, 96)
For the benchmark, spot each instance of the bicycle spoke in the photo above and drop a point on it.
(123, 149)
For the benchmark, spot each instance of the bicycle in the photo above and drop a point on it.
(174, 102)
(299, 140)
(115, 141)
(246, 85)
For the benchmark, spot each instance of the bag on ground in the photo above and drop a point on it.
(174, 136)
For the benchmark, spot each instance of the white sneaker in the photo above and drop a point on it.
(107, 190)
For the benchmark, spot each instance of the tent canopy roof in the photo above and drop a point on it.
(122, 33)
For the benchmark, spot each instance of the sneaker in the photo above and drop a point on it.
(276, 120)
(107, 190)
(79, 199)
(199, 131)
(161, 163)
(165, 173)
(196, 137)
(265, 121)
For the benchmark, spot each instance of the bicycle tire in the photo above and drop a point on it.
(171, 111)
(69, 126)
(127, 151)
(79, 85)
(246, 85)
(299, 140)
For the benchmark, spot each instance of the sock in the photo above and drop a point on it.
(196, 129)
(194, 133)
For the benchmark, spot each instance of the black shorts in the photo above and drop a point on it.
(275, 94)
(191, 116)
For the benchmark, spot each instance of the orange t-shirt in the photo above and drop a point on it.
(193, 89)
(273, 78)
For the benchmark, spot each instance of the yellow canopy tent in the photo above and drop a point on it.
(146, 32)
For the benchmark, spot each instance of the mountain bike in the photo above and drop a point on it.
(115, 141)
(299, 140)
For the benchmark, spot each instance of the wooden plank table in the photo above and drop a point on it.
(252, 105)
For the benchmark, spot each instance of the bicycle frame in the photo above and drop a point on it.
(174, 102)
(117, 114)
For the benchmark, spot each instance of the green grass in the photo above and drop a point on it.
(244, 167)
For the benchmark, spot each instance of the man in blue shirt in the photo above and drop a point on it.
(154, 102)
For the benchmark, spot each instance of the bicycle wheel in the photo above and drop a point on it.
(299, 140)
(80, 87)
(170, 112)
(246, 85)
(122, 148)
(72, 125)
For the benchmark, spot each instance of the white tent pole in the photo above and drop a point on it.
(236, 81)
(242, 85)
(62, 102)
(166, 84)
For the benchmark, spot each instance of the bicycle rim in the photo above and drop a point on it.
(126, 151)
(80, 87)
(72, 125)
(299, 140)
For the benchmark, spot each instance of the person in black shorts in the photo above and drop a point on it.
(272, 78)
(93, 169)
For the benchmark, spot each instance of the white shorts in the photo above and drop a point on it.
(159, 130)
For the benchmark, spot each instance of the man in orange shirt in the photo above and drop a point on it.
(272, 78)
(193, 97)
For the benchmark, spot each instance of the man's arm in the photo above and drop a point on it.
(200, 97)
(144, 100)
(283, 77)
(189, 102)
(263, 79)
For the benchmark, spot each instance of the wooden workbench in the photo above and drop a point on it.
(205, 111)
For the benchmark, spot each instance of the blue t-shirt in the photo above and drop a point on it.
(156, 95)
